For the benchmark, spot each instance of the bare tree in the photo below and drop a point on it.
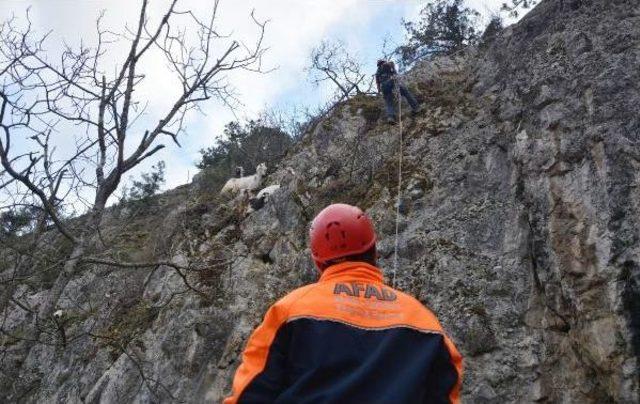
(330, 61)
(292, 121)
(85, 96)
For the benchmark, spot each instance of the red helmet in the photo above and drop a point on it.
(340, 230)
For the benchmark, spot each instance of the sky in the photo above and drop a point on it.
(294, 28)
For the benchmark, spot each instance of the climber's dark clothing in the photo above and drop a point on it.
(348, 338)
(385, 73)
(385, 81)
(390, 99)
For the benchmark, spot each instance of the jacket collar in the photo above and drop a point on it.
(352, 271)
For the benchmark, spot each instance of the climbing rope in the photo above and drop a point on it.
(399, 195)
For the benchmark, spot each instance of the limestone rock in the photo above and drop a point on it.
(519, 227)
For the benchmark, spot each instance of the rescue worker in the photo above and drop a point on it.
(348, 338)
(386, 79)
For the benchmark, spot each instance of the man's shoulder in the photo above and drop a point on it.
(290, 298)
(420, 315)
(313, 300)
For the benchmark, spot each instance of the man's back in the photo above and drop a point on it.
(385, 72)
(348, 338)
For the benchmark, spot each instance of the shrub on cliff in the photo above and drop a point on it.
(444, 26)
(244, 146)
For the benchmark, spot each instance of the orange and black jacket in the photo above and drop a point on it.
(348, 339)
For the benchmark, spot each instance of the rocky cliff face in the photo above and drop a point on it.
(519, 228)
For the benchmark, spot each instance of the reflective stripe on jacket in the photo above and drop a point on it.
(348, 339)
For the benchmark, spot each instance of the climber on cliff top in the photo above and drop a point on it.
(386, 80)
(347, 338)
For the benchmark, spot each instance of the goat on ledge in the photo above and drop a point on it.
(248, 183)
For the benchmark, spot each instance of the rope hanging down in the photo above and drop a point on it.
(399, 196)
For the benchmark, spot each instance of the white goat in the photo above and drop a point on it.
(248, 183)
(263, 196)
(265, 192)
